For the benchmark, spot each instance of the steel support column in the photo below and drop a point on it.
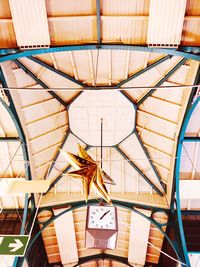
(188, 113)
(13, 113)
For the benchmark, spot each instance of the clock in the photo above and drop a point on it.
(101, 227)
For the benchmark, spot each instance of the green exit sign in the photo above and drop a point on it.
(13, 244)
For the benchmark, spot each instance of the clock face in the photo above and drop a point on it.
(102, 217)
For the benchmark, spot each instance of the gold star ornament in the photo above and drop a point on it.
(89, 172)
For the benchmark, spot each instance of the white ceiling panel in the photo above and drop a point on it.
(30, 23)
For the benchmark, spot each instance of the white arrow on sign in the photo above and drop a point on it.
(17, 245)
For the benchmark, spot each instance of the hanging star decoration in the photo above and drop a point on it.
(89, 172)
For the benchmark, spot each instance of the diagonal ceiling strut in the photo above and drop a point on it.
(150, 161)
(64, 75)
(140, 72)
(169, 74)
(139, 171)
(26, 70)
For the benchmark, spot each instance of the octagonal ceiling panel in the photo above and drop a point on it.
(109, 110)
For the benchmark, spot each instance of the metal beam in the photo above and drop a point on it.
(74, 207)
(150, 161)
(140, 72)
(191, 139)
(186, 52)
(169, 74)
(26, 70)
(60, 176)
(126, 95)
(13, 113)
(98, 22)
(9, 139)
(139, 171)
(62, 74)
(103, 256)
(187, 116)
(118, 203)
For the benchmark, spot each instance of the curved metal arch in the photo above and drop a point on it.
(103, 256)
(115, 204)
(10, 54)
(177, 174)
(13, 114)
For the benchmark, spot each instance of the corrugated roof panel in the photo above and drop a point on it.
(138, 61)
(82, 66)
(119, 58)
(126, 7)
(69, 30)
(30, 22)
(166, 22)
(129, 30)
(63, 62)
(100, 65)
(67, 7)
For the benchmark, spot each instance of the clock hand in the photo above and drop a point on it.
(104, 214)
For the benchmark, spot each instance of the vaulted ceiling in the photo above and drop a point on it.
(65, 65)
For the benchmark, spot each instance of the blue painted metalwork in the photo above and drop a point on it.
(128, 97)
(12, 54)
(191, 139)
(98, 22)
(26, 70)
(103, 256)
(83, 204)
(143, 70)
(177, 171)
(150, 161)
(139, 171)
(13, 113)
(64, 75)
(170, 73)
